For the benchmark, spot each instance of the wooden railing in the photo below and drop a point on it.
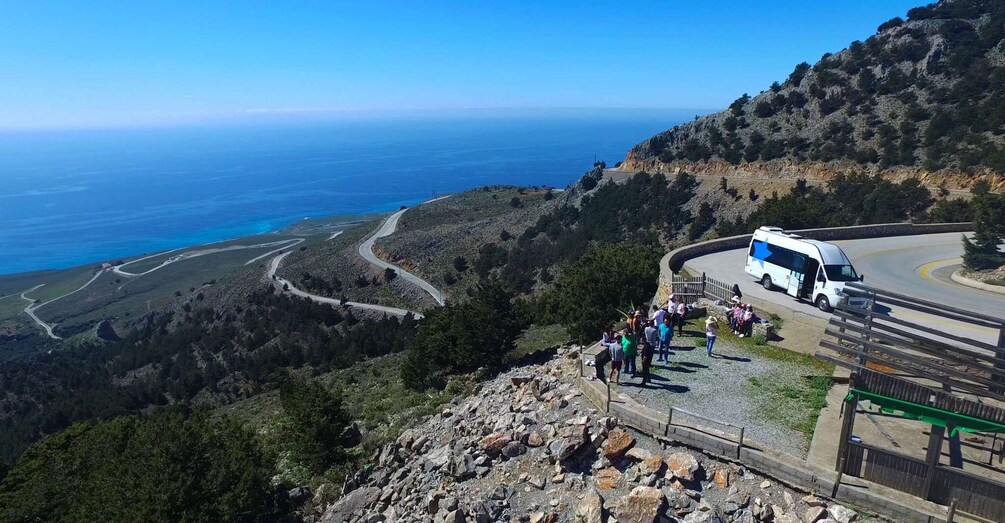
(968, 377)
(693, 287)
(972, 493)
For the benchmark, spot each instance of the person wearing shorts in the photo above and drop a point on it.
(617, 358)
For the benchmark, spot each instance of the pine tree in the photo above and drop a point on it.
(982, 253)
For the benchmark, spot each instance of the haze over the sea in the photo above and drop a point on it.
(75, 197)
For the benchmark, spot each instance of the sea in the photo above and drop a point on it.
(75, 197)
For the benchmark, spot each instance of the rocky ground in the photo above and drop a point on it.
(992, 277)
(530, 447)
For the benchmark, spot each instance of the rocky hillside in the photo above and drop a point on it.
(530, 448)
(923, 98)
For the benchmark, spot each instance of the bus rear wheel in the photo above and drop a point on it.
(766, 283)
(824, 304)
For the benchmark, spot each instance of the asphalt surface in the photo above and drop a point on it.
(291, 288)
(386, 229)
(917, 266)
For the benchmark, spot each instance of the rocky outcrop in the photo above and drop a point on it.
(528, 447)
(791, 169)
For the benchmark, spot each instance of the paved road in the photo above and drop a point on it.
(280, 282)
(387, 229)
(33, 305)
(914, 265)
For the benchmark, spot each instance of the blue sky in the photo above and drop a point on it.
(108, 63)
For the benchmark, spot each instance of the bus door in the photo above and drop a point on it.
(796, 275)
(810, 278)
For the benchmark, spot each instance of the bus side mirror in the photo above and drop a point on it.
(861, 277)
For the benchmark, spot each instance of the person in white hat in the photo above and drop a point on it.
(711, 330)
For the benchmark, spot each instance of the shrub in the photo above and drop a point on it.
(797, 74)
(890, 24)
(982, 252)
(460, 338)
(608, 277)
(315, 424)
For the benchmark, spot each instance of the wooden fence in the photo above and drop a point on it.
(973, 494)
(693, 287)
(967, 374)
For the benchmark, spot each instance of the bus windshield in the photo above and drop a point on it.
(841, 273)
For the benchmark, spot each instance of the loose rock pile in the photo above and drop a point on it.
(528, 447)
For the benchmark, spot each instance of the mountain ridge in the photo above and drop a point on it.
(922, 98)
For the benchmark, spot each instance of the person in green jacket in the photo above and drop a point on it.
(628, 346)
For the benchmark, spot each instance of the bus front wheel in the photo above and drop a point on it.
(766, 283)
(824, 304)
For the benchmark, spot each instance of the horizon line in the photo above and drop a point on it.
(287, 115)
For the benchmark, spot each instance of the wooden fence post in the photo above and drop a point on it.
(932, 458)
(608, 410)
(582, 357)
(840, 475)
(847, 424)
(740, 446)
(1000, 360)
(951, 513)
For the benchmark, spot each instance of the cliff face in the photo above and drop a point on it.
(922, 98)
(792, 169)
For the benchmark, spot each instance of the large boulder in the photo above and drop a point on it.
(617, 444)
(494, 443)
(651, 465)
(355, 502)
(437, 458)
(682, 465)
(842, 514)
(642, 505)
(591, 508)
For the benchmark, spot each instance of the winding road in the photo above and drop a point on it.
(365, 250)
(288, 286)
(386, 229)
(918, 266)
(34, 305)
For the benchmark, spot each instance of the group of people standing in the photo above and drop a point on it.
(741, 318)
(649, 334)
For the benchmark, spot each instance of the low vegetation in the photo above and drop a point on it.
(926, 92)
(155, 468)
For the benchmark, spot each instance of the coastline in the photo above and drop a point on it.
(321, 225)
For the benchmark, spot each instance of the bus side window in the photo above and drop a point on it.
(820, 275)
(751, 251)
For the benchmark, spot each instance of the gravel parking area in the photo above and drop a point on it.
(770, 392)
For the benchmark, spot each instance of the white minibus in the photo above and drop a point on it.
(806, 269)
